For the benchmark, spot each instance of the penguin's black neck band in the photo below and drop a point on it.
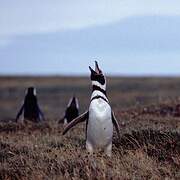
(97, 88)
(97, 97)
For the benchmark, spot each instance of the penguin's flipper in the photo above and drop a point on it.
(75, 121)
(41, 115)
(115, 122)
(19, 113)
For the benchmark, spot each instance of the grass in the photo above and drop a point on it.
(149, 147)
(39, 151)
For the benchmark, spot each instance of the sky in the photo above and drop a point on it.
(64, 37)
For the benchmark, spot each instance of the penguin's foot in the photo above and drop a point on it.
(108, 149)
(89, 147)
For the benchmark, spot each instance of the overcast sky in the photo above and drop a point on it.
(127, 37)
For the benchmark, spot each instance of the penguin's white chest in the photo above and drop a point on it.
(100, 127)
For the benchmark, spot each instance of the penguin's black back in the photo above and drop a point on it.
(31, 110)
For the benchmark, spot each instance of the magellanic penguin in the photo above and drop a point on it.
(72, 111)
(100, 117)
(30, 108)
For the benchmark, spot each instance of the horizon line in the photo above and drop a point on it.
(2, 75)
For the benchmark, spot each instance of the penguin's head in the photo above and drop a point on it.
(73, 102)
(97, 77)
(31, 91)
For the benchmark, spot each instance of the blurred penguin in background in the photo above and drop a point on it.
(30, 108)
(72, 111)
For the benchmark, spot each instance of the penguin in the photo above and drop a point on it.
(30, 108)
(99, 117)
(72, 111)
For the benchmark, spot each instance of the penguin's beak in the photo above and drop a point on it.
(97, 69)
(92, 71)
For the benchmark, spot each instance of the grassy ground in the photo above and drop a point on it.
(147, 110)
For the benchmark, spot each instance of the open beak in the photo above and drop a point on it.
(92, 71)
(98, 71)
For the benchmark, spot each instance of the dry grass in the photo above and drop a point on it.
(39, 151)
(149, 147)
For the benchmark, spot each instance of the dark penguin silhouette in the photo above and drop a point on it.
(30, 108)
(72, 111)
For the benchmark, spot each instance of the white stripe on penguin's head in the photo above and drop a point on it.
(69, 103)
(77, 103)
(74, 101)
(96, 83)
(31, 91)
(34, 92)
(97, 77)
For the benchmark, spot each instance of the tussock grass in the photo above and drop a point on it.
(147, 109)
(39, 151)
